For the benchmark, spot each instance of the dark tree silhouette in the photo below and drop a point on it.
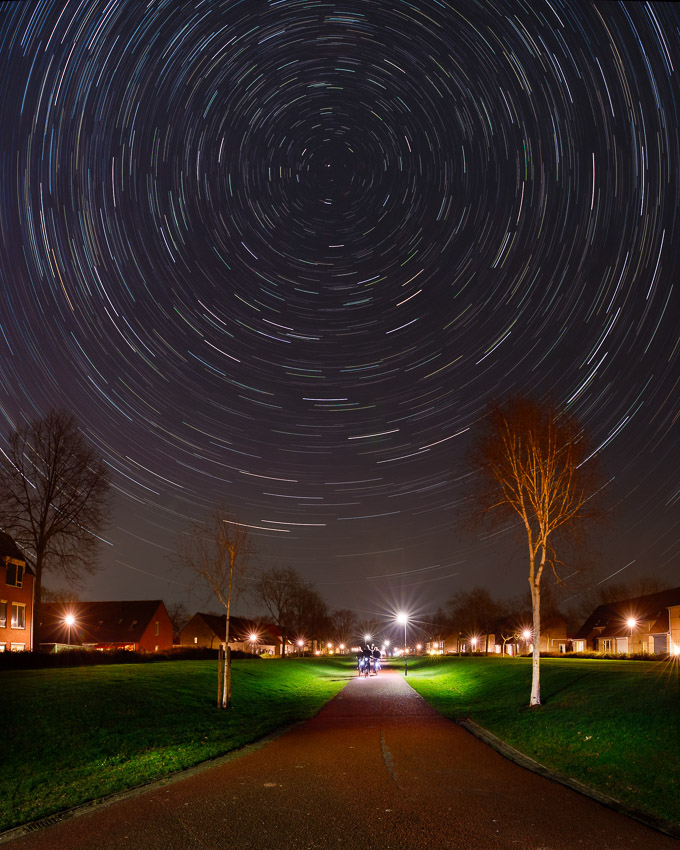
(54, 490)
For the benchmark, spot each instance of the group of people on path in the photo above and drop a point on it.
(368, 658)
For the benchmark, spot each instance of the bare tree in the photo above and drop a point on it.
(533, 462)
(54, 490)
(179, 616)
(343, 625)
(310, 618)
(474, 612)
(277, 589)
(218, 552)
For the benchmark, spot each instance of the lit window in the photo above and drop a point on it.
(18, 615)
(15, 575)
(3, 614)
(18, 647)
(158, 628)
(195, 640)
(3, 647)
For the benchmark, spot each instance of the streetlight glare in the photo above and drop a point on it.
(632, 622)
(367, 638)
(69, 619)
(402, 619)
(253, 637)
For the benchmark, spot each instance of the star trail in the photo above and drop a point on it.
(280, 255)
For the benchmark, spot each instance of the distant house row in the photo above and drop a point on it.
(642, 625)
(144, 626)
(646, 624)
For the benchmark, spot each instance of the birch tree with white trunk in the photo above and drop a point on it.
(533, 462)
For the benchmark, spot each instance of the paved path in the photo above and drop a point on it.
(377, 768)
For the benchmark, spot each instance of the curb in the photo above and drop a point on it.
(510, 753)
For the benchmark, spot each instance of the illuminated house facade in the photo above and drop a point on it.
(138, 626)
(16, 597)
(645, 624)
(208, 630)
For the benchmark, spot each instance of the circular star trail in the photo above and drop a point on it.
(280, 255)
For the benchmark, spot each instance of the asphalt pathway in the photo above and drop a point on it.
(376, 768)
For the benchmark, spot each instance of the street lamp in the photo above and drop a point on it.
(300, 644)
(253, 641)
(403, 618)
(342, 648)
(632, 622)
(69, 619)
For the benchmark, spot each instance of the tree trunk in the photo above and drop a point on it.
(35, 614)
(220, 676)
(536, 655)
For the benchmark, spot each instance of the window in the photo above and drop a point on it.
(158, 628)
(18, 615)
(15, 574)
(3, 613)
(18, 647)
(195, 640)
(3, 647)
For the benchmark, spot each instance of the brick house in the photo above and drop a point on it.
(645, 624)
(16, 597)
(139, 626)
(208, 630)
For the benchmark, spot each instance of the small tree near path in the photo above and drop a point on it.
(54, 490)
(533, 462)
(218, 552)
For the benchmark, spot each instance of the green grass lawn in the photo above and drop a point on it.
(75, 734)
(613, 725)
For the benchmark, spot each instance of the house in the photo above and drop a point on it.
(645, 624)
(208, 630)
(16, 597)
(140, 626)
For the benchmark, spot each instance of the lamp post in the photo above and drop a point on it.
(403, 618)
(69, 619)
(253, 641)
(300, 644)
(632, 622)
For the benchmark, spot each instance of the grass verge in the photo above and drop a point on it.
(612, 725)
(76, 734)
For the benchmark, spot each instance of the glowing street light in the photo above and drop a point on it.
(253, 641)
(69, 619)
(403, 618)
(300, 644)
(342, 648)
(631, 622)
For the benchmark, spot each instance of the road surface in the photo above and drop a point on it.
(376, 768)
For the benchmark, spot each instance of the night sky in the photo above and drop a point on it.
(281, 254)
